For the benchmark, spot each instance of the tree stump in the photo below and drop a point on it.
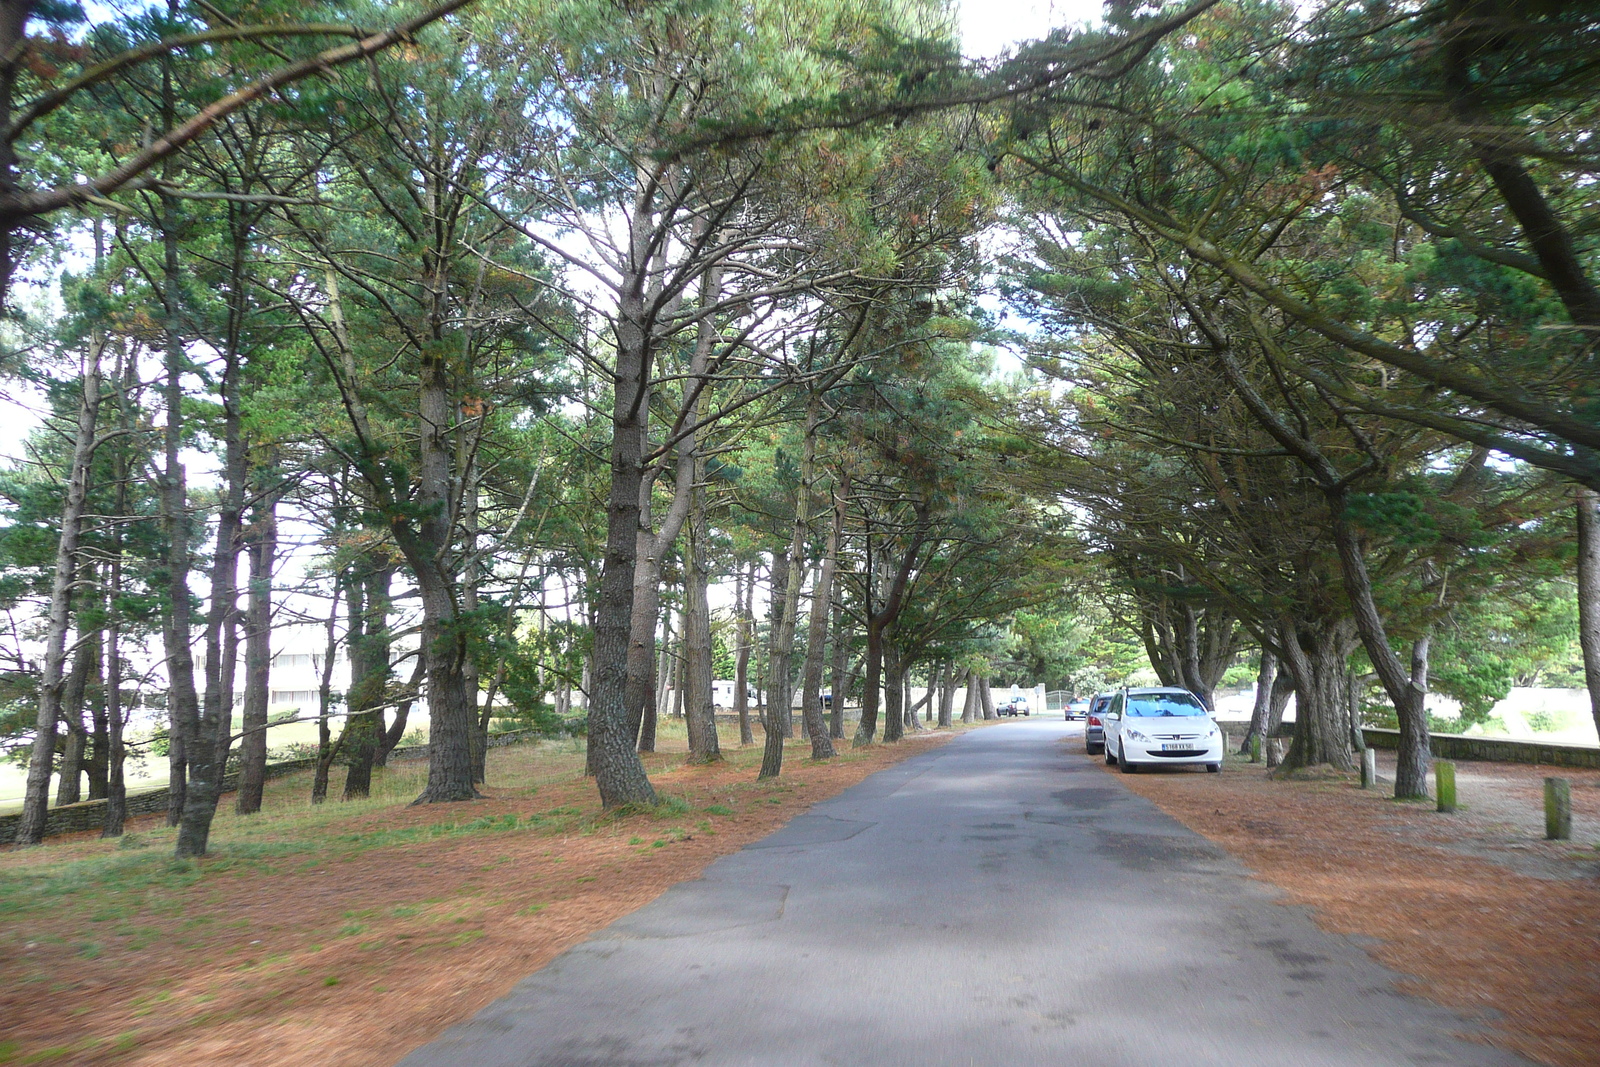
(1444, 775)
(1369, 768)
(1558, 809)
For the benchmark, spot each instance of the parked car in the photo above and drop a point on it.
(1077, 709)
(1013, 707)
(1094, 731)
(1146, 727)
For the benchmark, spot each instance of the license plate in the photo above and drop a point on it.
(1178, 748)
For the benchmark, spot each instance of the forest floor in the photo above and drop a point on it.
(350, 933)
(1479, 911)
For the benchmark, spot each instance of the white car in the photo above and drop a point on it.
(1165, 725)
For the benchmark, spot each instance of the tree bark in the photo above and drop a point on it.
(1315, 655)
(821, 733)
(894, 708)
(1407, 689)
(986, 696)
(879, 623)
(700, 718)
(36, 795)
(774, 713)
(215, 718)
(262, 540)
(369, 644)
(970, 699)
(947, 696)
(1588, 509)
(1266, 675)
(69, 787)
(842, 634)
(744, 592)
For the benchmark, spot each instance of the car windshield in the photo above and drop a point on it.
(1158, 705)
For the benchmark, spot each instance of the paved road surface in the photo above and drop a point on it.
(997, 901)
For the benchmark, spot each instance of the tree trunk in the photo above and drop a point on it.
(327, 751)
(894, 708)
(947, 696)
(986, 697)
(97, 766)
(1589, 593)
(613, 757)
(1315, 655)
(36, 796)
(369, 647)
(396, 729)
(700, 718)
(774, 723)
(816, 639)
(743, 592)
(69, 788)
(1407, 690)
(263, 552)
(840, 652)
(1266, 675)
(1282, 690)
(212, 726)
(970, 701)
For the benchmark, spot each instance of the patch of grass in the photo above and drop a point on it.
(332, 979)
(717, 809)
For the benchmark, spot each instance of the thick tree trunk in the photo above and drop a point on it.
(987, 697)
(1266, 674)
(1589, 593)
(98, 766)
(894, 708)
(1316, 656)
(1282, 690)
(36, 795)
(369, 647)
(613, 757)
(263, 552)
(970, 702)
(327, 748)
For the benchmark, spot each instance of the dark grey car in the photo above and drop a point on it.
(1094, 730)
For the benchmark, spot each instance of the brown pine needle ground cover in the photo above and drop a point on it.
(348, 934)
(1481, 912)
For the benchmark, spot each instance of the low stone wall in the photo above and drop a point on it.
(91, 814)
(1502, 750)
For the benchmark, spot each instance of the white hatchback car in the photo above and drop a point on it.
(1146, 727)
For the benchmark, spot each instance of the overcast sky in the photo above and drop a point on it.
(989, 26)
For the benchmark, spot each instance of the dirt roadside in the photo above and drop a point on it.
(1477, 909)
(294, 949)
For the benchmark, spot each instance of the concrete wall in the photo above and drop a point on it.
(1459, 746)
(91, 814)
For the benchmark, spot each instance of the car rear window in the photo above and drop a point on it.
(1157, 705)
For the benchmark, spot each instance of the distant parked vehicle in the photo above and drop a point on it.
(1078, 709)
(1013, 707)
(1094, 731)
(1145, 727)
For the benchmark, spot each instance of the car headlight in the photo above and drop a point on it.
(1135, 735)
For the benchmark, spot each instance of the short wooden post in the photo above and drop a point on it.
(1369, 768)
(1444, 776)
(1557, 809)
(1255, 748)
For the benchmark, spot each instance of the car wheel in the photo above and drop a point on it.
(1127, 768)
(1027, 713)
(1094, 750)
(1111, 761)
(1214, 767)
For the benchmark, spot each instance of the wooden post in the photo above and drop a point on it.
(1369, 768)
(1255, 748)
(1558, 809)
(1444, 774)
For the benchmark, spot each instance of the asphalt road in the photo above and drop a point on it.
(997, 901)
